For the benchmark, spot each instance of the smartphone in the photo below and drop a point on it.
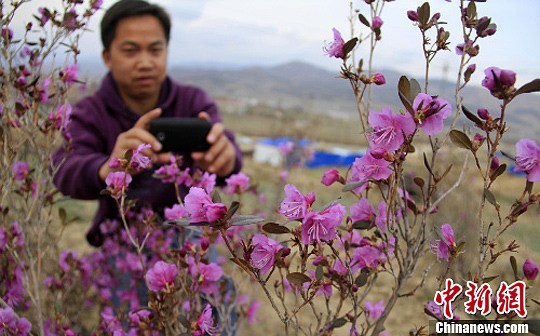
(181, 134)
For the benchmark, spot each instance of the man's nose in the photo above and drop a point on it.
(145, 60)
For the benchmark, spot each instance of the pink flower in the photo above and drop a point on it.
(69, 74)
(45, 16)
(139, 161)
(207, 181)
(208, 276)
(61, 118)
(169, 173)
(139, 317)
(467, 48)
(205, 323)
(433, 309)
(431, 112)
(443, 246)
(215, 212)
(96, 4)
(368, 167)
(330, 176)
(339, 268)
(264, 252)
(175, 213)
(12, 325)
(354, 239)
(374, 310)
(528, 158)
(530, 269)
(205, 276)
(448, 234)
(366, 256)
(286, 148)
(380, 219)
(251, 312)
(20, 170)
(161, 276)
(389, 130)
(200, 207)
(283, 175)
(377, 22)
(116, 183)
(318, 226)
(499, 82)
(324, 287)
(44, 90)
(335, 49)
(237, 183)
(295, 205)
(67, 258)
(362, 211)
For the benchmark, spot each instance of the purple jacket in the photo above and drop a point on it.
(95, 124)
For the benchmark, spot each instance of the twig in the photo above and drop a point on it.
(453, 187)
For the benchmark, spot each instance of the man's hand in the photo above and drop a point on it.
(219, 159)
(132, 138)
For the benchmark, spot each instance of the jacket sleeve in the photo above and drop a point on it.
(76, 163)
(203, 103)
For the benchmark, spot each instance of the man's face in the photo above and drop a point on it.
(137, 57)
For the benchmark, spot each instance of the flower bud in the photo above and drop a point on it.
(378, 79)
(205, 243)
(7, 34)
(330, 176)
(21, 81)
(115, 163)
(482, 30)
(499, 82)
(377, 22)
(412, 15)
(495, 163)
(483, 114)
(318, 260)
(469, 71)
(530, 269)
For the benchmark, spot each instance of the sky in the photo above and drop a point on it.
(234, 33)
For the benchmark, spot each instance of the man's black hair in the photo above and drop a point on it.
(129, 8)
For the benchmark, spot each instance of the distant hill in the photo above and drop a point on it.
(304, 87)
(308, 88)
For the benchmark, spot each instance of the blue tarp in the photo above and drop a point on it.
(283, 141)
(320, 158)
(325, 159)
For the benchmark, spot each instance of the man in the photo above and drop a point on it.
(135, 37)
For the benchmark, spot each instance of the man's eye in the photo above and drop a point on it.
(128, 51)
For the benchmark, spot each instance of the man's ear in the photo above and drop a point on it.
(105, 55)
